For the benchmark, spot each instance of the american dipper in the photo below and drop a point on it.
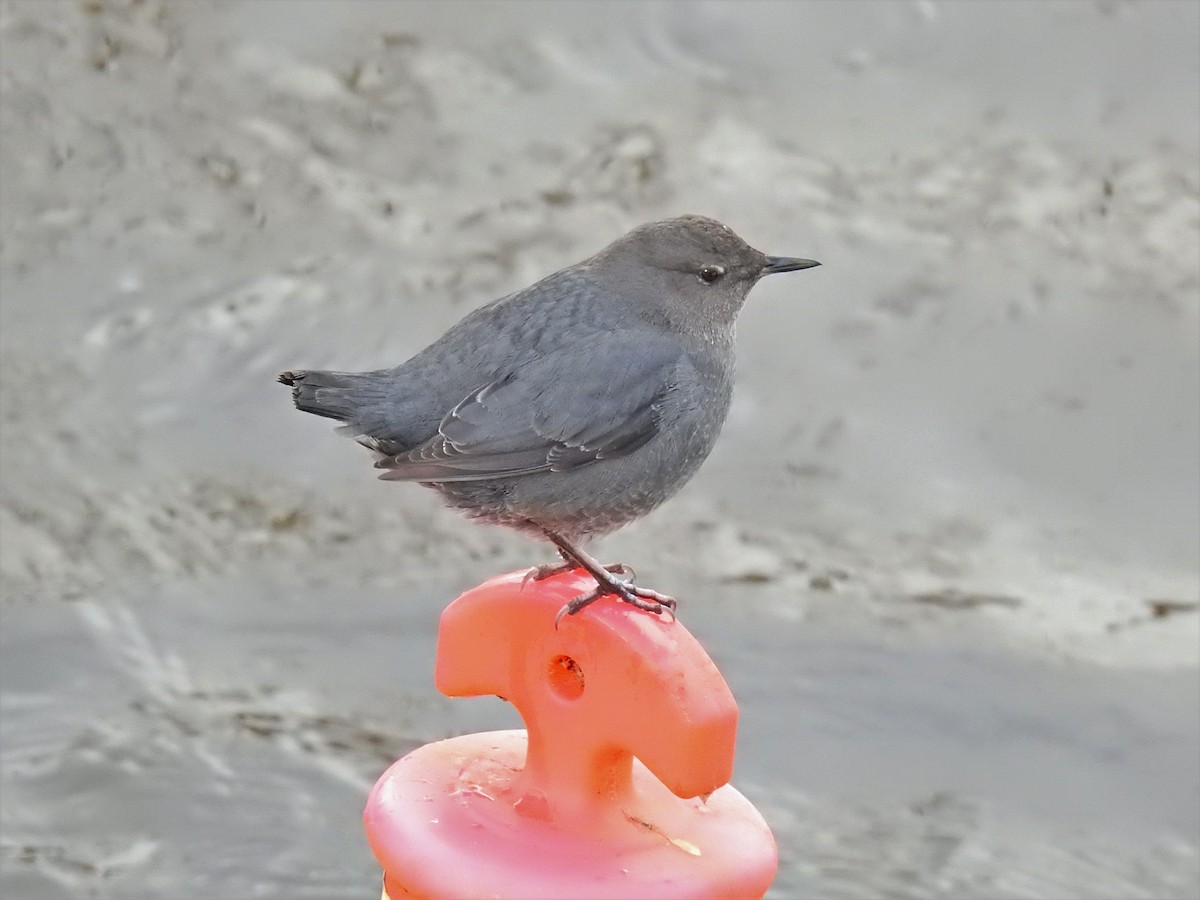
(573, 406)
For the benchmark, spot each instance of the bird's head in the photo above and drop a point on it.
(691, 270)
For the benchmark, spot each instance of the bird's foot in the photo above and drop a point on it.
(638, 597)
(539, 573)
(607, 584)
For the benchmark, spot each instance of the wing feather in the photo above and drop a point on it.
(566, 409)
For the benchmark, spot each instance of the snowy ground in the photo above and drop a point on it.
(947, 552)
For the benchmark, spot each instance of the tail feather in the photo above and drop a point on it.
(334, 395)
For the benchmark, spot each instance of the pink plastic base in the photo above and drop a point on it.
(448, 821)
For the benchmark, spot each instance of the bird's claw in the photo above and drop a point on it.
(637, 597)
(539, 573)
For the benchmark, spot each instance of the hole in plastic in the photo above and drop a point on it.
(566, 677)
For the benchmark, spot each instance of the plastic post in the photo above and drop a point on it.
(618, 790)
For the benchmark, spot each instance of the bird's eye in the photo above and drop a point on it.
(709, 274)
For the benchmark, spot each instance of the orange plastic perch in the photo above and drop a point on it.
(569, 812)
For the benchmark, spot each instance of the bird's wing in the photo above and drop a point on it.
(594, 400)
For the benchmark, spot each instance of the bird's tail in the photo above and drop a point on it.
(336, 395)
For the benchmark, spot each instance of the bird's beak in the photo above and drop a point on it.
(775, 264)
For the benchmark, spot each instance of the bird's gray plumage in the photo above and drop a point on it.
(574, 405)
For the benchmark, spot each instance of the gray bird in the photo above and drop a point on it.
(573, 406)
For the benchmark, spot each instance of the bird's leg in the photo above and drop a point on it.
(537, 573)
(642, 598)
